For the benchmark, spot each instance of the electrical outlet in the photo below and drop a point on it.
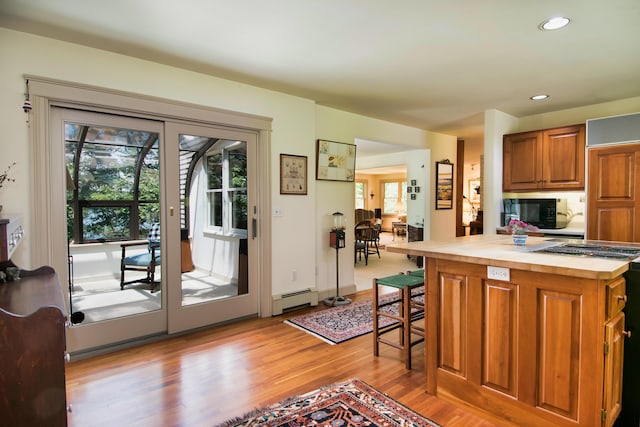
(498, 273)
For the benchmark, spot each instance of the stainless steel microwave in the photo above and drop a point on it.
(543, 213)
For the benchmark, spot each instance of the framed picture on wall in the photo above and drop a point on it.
(293, 174)
(335, 161)
(444, 185)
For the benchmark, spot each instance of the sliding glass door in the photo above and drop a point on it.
(212, 212)
(161, 226)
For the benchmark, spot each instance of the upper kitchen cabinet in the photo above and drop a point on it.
(549, 159)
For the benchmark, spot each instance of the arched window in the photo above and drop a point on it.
(113, 183)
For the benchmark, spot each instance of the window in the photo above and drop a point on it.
(227, 187)
(361, 191)
(113, 183)
(395, 197)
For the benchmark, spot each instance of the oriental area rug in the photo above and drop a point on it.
(338, 324)
(350, 403)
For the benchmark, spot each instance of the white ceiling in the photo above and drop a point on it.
(432, 64)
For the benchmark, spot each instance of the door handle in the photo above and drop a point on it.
(254, 226)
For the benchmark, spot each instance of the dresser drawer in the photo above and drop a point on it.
(616, 296)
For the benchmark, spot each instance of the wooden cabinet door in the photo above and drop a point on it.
(559, 355)
(613, 193)
(551, 159)
(563, 161)
(522, 161)
(613, 360)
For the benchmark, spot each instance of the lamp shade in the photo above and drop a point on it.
(338, 221)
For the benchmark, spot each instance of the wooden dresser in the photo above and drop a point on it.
(32, 341)
(11, 233)
(32, 361)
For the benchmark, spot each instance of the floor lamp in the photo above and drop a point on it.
(337, 241)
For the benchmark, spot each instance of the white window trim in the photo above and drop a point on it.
(227, 206)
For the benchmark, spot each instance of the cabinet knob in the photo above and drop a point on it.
(626, 334)
(67, 357)
(622, 298)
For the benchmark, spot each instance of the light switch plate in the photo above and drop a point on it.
(498, 273)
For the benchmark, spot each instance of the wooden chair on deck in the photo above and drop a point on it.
(145, 262)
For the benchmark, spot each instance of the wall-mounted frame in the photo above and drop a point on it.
(335, 161)
(416, 189)
(409, 189)
(413, 196)
(444, 185)
(414, 182)
(293, 174)
(474, 190)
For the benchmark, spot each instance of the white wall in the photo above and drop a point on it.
(496, 125)
(299, 237)
(346, 127)
(579, 114)
(442, 222)
(417, 163)
(293, 129)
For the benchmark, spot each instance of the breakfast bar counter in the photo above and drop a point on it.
(527, 337)
(499, 250)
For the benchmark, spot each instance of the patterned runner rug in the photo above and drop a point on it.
(351, 403)
(338, 324)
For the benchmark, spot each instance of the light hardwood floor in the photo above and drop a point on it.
(206, 377)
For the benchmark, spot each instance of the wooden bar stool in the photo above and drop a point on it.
(409, 311)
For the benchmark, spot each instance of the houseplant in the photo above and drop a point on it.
(518, 229)
(4, 177)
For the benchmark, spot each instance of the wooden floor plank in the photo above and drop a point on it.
(206, 377)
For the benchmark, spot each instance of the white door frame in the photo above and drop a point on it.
(48, 186)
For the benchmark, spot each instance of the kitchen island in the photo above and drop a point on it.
(531, 338)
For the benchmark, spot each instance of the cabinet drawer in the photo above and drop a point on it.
(616, 296)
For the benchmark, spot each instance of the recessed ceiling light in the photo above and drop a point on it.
(554, 23)
(539, 97)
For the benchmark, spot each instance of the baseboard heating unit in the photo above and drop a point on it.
(293, 300)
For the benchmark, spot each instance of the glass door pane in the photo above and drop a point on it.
(113, 200)
(214, 198)
(211, 271)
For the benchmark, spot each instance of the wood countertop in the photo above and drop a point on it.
(499, 251)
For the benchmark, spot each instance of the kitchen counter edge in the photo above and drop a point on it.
(499, 251)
